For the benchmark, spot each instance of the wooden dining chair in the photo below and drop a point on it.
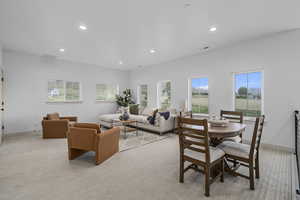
(195, 149)
(233, 116)
(186, 114)
(247, 155)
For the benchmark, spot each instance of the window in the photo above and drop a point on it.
(143, 95)
(199, 95)
(248, 93)
(63, 91)
(164, 94)
(72, 91)
(105, 92)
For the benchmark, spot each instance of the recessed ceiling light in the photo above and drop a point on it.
(212, 29)
(187, 5)
(152, 51)
(121, 63)
(62, 50)
(82, 27)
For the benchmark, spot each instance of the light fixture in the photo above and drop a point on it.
(187, 5)
(212, 29)
(82, 27)
(121, 63)
(62, 50)
(152, 51)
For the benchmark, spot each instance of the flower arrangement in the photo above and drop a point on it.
(125, 98)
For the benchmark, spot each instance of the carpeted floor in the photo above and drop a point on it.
(35, 169)
(133, 140)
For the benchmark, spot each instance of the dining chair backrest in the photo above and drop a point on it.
(186, 114)
(232, 116)
(193, 135)
(257, 133)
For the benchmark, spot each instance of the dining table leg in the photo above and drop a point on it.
(227, 166)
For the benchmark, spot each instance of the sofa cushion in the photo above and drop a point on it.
(235, 149)
(147, 111)
(53, 116)
(109, 117)
(215, 154)
(141, 109)
(166, 115)
(139, 118)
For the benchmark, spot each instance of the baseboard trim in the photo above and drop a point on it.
(22, 132)
(274, 147)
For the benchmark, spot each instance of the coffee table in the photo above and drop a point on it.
(126, 126)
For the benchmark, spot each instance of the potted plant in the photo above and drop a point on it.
(124, 100)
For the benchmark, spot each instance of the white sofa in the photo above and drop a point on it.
(162, 125)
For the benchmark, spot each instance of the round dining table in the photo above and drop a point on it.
(230, 130)
(218, 133)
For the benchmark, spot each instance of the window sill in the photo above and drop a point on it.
(201, 115)
(62, 102)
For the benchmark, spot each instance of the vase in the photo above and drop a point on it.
(125, 115)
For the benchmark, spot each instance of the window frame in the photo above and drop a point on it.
(138, 94)
(158, 93)
(65, 91)
(248, 118)
(111, 84)
(190, 95)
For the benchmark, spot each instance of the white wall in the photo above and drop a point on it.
(279, 57)
(26, 89)
(1, 90)
(0, 55)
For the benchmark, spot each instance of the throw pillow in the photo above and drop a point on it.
(151, 119)
(157, 119)
(134, 109)
(166, 115)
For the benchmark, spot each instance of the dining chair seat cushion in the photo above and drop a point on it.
(215, 154)
(235, 149)
(236, 139)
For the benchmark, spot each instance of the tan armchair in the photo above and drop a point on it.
(84, 137)
(55, 126)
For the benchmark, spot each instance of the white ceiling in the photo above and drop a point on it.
(125, 30)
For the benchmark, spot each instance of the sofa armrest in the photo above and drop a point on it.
(108, 144)
(55, 128)
(166, 125)
(70, 118)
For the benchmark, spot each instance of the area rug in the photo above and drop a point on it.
(143, 138)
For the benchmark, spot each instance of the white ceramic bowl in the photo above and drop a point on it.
(218, 122)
